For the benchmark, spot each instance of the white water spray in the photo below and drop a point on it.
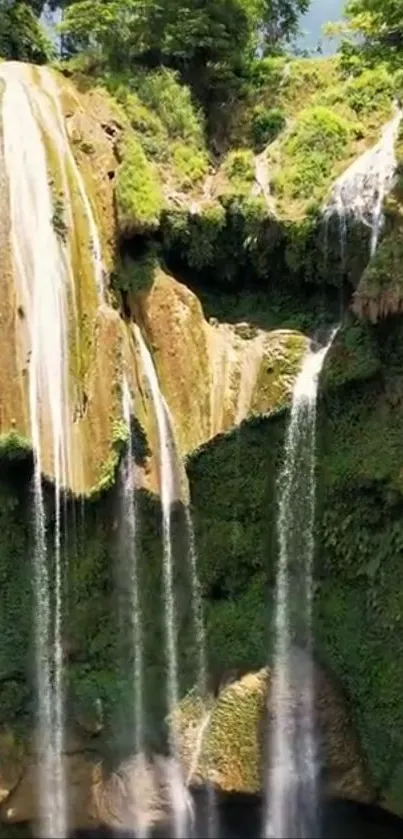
(361, 190)
(291, 802)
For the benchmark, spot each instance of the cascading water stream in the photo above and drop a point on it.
(129, 526)
(167, 499)
(31, 114)
(49, 86)
(168, 461)
(40, 264)
(291, 800)
(361, 190)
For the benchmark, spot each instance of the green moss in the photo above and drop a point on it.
(277, 372)
(380, 290)
(138, 192)
(14, 446)
(354, 355)
(120, 434)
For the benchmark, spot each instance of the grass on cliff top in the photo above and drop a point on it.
(314, 120)
(311, 117)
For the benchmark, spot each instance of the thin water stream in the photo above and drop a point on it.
(291, 795)
(131, 582)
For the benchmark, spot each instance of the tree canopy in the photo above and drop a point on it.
(379, 25)
(210, 42)
(22, 37)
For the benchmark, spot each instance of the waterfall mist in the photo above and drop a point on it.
(291, 794)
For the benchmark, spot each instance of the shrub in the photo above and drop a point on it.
(239, 168)
(153, 134)
(22, 37)
(139, 197)
(319, 139)
(134, 275)
(266, 125)
(191, 164)
(371, 91)
(172, 103)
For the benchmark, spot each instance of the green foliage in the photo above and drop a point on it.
(266, 125)
(162, 92)
(239, 168)
(281, 21)
(138, 192)
(211, 45)
(136, 275)
(319, 139)
(379, 25)
(191, 165)
(354, 355)
(22, 37)
(194, 236)
(370, 91)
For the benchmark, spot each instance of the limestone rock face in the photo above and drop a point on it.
(53, 271)
(214, 375)
(234, 739)
(22, 803)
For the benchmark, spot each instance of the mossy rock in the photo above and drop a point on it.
(235, 737)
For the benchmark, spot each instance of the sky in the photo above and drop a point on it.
(320, 12)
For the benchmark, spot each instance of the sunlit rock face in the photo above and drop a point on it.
(59, 341)
(214, 375)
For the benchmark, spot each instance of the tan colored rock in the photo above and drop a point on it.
(12, 763)
(235, 739)
(81, 183)
(22, 804)
(213, 375)
(138, 792)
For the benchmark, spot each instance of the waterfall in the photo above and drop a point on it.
(168, 460)
(129, 550)
(291, 800)
(361, 190)
(31, 116)
(167, 486)
(49, 86)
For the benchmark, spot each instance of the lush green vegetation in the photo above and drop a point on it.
(138, 194)
(21, 34)
(379, 25)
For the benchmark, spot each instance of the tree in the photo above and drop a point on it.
(21, 35)
(281, 22)
(379, 26)
(208, 41)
